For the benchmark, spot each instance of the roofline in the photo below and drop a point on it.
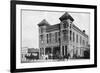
(76, 28)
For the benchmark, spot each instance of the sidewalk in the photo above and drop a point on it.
(50, 60)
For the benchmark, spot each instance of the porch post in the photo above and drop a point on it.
(52, 52)
(44, 51)
(61, 51)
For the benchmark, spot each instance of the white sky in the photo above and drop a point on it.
(30, 19)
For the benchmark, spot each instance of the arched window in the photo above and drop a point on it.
(65, 24)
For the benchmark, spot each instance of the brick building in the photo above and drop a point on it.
(63, 40)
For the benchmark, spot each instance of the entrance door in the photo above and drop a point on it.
(56, 52)
(63, 51)
(48, 52)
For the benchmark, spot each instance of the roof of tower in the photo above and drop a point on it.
(66, 15)
(43, 23)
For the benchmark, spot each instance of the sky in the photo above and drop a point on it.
(31, 18)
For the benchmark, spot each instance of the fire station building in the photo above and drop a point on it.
(64, 39)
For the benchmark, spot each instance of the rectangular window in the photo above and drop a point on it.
(70, 35)
(73, 36)
(55, 36)
(80, 39)
(41, 37)
(47, 39)
(63, 50)
(66, 53)
(41, 30)
(64, 35)
(50, 37)
(76, 38)
(58, 36)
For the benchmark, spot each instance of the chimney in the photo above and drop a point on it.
(83, 31)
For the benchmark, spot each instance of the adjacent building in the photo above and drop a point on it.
(62, 40)
(24, 51)
(28, 54)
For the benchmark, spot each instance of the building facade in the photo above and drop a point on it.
(62, 40)
(24, 51)
(29, 54)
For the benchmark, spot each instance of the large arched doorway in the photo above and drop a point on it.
(48, 52)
